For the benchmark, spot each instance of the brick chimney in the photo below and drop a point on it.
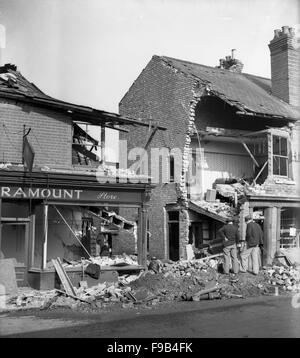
(285, 65)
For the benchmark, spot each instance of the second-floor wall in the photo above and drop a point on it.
(255, 150)
(50, 134)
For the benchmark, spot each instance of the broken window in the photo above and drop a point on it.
(280, 155)
(86, 145)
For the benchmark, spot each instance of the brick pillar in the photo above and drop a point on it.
(184, 223)
(142, 235)
(270, 234)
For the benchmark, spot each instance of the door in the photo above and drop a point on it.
(14, 245)
(174, 241)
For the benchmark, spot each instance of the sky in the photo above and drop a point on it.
(89, 52)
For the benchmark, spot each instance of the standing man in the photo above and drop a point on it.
(230, 235)
(254, 238)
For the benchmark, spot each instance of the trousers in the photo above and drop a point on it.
(254, 253)
(230, 255)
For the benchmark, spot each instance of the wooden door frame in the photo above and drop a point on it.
(26, 223)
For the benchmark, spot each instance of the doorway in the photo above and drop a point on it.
(14, 245)
(196, 234)
(174, 241)
(173, 226)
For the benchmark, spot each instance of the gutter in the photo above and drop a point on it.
(263, 115)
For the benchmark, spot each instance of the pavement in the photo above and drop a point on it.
(263, 317)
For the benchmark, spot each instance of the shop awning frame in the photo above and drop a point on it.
(202, 211)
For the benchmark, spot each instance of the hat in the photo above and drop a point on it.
(248, 217)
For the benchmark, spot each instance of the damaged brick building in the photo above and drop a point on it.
(56, 196)
(247, 130)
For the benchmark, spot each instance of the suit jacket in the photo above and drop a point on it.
(231, 232)
(254, 234)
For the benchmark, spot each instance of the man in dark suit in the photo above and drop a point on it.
(254, 239)
(230, 235)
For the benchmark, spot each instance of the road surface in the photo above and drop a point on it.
(252, 317)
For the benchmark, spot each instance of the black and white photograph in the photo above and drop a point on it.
(149, 172)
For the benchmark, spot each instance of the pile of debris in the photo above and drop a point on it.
(285, 277)
(217, 207)
(94, 297)
(116, 260)
(200, 279)
(166, 281)
(28, 298)
(189, 268)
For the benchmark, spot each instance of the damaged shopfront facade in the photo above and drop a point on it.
(45, 217)
(238, 135)
(60, 194)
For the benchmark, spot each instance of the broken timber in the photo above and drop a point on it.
(154, 130)
(261, 170)
(64, 278)
(196, 297)
(249, 152)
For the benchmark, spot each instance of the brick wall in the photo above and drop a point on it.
(165, 94)
(50, 136)
(159, 93)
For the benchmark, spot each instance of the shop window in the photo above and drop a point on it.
(280, 156)
(289, 228)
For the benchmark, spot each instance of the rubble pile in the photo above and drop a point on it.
(217, 207)
(183, 280)
(165, 282)
(94, 297)
(101, 261)
(189, 268)
(286, 278)
(29, 298)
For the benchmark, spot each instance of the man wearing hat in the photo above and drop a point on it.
(230, 235)
(254, 238)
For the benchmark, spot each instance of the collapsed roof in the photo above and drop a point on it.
(15, 86)
(250, 94)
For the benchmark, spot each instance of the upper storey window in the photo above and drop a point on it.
(280, 156)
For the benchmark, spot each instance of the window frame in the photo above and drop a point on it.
(280, 156)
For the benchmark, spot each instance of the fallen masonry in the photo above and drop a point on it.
(194, 280)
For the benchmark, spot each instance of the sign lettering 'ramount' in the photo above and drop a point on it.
(7, 192)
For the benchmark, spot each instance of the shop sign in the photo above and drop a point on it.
(67, 194)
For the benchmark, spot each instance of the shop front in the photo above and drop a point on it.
(281, 226)
(43, 217)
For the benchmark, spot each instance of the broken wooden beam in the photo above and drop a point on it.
(249, 152)
(64, 278)
(196, 297)
(261, 170)
(210, 257)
